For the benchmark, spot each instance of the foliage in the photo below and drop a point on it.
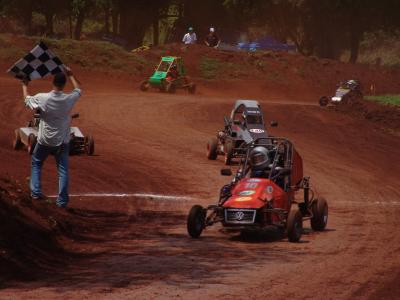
(325, 28)
(319, 27)
(380, 48)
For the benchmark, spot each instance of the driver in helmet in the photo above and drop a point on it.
(260, 162)
(262, 166)
(173, 72)
(353, 84)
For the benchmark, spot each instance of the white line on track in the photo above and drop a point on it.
(185, 198)
(130, 195)
(369, 203)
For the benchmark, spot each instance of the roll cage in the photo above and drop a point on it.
(166, 62)
(247, 112)
(282, 157)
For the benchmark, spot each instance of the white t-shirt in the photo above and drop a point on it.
(189, 38)
(55, 108)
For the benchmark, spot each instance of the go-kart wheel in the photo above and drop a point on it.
(170, 88)
(212, 149)
(144, 85)
(228, 150)
(319, 208)
(192, 88)
(294, 225)
(196, 221)
(17, 143)
(89, 145)
(31, 143)
(323, 101)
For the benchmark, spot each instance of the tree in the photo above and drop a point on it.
(136, 17)
(80, 8)
(20, 9)
(49, 9)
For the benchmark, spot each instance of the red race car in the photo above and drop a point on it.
(262, 194)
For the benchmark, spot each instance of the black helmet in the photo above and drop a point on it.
(259, 159)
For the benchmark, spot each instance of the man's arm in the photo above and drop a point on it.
(31, 102)
(25, 92)
(219, 41)
(69, 73)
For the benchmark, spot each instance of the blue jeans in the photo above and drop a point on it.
(61, 154)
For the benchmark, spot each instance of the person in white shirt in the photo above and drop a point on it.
(54, 132)
(190, 37)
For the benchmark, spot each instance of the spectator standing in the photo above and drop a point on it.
(212, 39)
(190, 37)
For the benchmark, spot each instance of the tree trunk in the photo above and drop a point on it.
(114, 19)
(70, 25)
(79, 24)
(49, 23)
(355, 39)
(107, 19)
(27, 17)
(156, 31)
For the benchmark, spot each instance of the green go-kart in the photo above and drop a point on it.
(169, 75)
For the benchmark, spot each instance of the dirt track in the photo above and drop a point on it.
(155, 143)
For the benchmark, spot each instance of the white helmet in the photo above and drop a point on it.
(259, 159)
(212, 29)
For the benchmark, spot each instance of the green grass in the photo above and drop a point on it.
(387, 99)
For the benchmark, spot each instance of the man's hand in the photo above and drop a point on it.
(68, 71)
(25, 80)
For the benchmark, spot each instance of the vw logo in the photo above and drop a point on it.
(239, 215)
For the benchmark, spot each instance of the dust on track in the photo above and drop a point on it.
(155, 143)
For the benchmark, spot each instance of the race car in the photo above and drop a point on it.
(264, 193)
(169, 75)
(245, 124)
(347, 92)
(27, 136)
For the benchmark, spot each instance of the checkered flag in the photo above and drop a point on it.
(38, 63)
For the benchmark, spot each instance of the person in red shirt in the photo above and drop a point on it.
(172, 73)
(212, 39)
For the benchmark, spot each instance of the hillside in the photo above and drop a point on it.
(288, 71)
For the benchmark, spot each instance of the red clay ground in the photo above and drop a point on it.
(125, 248)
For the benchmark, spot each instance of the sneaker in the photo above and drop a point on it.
(39, 197)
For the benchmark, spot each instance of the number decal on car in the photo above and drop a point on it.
(247, 193)
(256, 130)
(251, 185)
